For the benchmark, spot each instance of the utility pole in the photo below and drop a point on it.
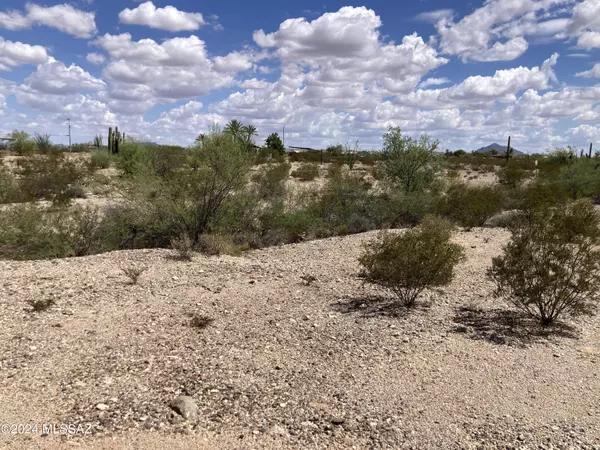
(590, 155)
(69, 123)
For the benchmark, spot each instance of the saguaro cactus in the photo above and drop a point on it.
(110, 139)
(118, 138)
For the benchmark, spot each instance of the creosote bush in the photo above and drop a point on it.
(41, 304)
(551, 266)
(408, 263)
(306, 172)
(471, 206)
(134, 273)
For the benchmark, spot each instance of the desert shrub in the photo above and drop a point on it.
(335, 150)
(306, 172)
(201, 321)
(134, 158)
(579, 179)
(219, 244)
(166, 161)
(9, 187)
(184, 247)
(551, 266)
(41, 304)
(52, 176)
(410, 164)
(134, 273)
(539, 195)
(32, 232)
(408, 263)
(22, 144)
(99, 159)
(511, 176)
(471, 206)
(271, 180)
(43, 142)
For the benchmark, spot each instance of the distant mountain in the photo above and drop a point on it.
(501, 149)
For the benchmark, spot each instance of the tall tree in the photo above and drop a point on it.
(248, 132)
(274, 143)
(234, 129)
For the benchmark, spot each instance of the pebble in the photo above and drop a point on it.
(102, 406)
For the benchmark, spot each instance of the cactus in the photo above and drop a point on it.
(117, 135)
(110, 139)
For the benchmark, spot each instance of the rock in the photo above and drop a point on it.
(185, 406)
(79, 384)
(278, 430)
(102, 406)
(521, 437)
(338, 420)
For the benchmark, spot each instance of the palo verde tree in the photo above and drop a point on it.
(408, 163)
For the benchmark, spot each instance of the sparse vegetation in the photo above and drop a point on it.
(408, 263)
(471, 206)
(551, 266)
(134, 273)
(184, 247)
(41, 304)
(306, 172)
(201, 321)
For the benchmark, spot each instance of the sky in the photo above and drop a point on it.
(466, 73)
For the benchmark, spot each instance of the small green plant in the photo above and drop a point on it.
(551, 266)
(9, 187)
(409, 262)
(98, 141)
(335, 150)
(218, 244)
(184, 247)
(306, 172)
(201, 321)
(41, 305)
(134, 273)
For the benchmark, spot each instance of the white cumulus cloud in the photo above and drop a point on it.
(168, 18)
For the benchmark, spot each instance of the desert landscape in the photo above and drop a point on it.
(286, 363)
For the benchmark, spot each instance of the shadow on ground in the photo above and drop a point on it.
(506, 327)
(376, 305)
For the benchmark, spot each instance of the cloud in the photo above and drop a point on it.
(594, 72)
(433, 82)
(63, 17)
(496, 31)
(435, 16)
(13, 54)
(14, 20)
(95, 58)
(53, 77)
(168, 18)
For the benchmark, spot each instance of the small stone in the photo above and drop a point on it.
(79, 384)
(185, 406)
(338, 420)
(102, 406)
(406, 340)
(521, 437)
(175, 278)
(556, 355)
(278, 430)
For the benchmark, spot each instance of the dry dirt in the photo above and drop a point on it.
(285, 364)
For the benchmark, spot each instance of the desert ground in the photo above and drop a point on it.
(288, 361)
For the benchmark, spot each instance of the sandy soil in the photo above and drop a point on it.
(284, 364)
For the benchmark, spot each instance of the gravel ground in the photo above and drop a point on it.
(285, 363)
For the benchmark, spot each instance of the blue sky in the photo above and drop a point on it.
(466, 73)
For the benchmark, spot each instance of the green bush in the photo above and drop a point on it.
(271, 180)
(32, 232)
(134, 158)
(274, 143)
(306, 172)
(471, 206)
(9, 187)
(99, 159)
(22, 144)
(512, 176)
(410, 164)
(551, 266)
(167, 161)
(580, 179)
(408, 263)
(43, 142)
(52, 176)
